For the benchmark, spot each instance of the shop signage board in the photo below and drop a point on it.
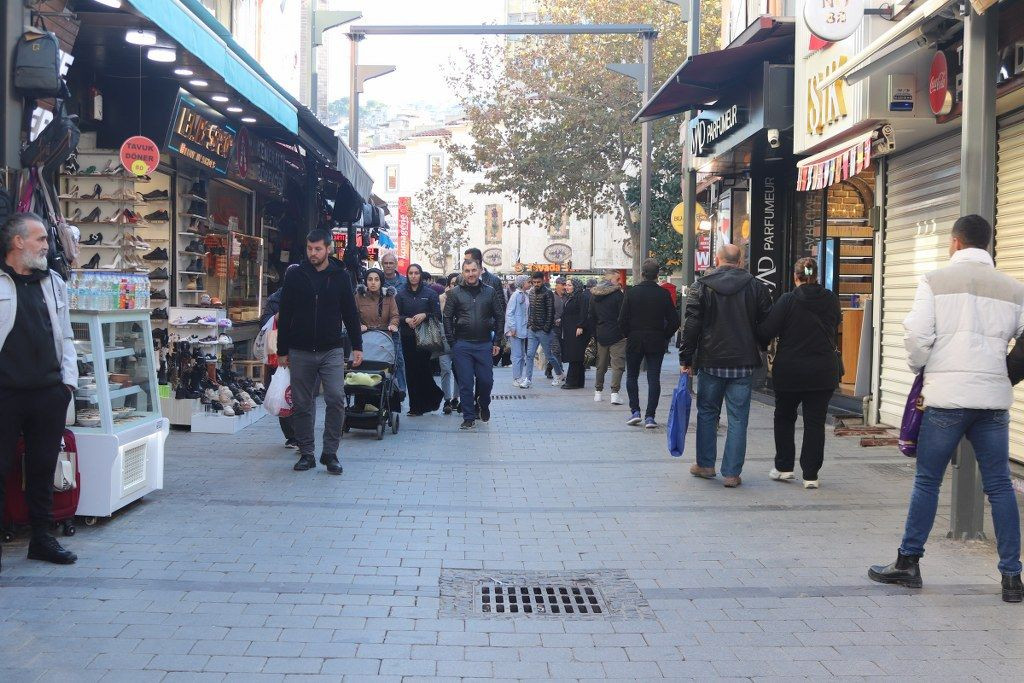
(200, 134)
(768, 222)
(258, 161)
(140, 155)
(833, 20)
(940, 94)
(704, 133)
(558, 252)
(702, 255)
(404, 241)
(492, 257)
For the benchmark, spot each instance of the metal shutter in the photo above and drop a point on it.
(1010, 237)
(922, 201)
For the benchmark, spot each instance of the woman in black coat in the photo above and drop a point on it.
(806, 369)
(417, 303)
(575, 336)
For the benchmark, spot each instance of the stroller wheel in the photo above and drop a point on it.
(394, 423)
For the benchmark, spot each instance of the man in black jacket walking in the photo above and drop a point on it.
(540, 325)
(648, 320)
(316, 299)
(603, 322)
(474, 320)
(723, 310)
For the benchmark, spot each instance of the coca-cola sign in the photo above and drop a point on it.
(940, 96)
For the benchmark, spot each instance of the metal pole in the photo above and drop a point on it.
(643, 249)
(689, 175)
(977, 195)
(353, 94)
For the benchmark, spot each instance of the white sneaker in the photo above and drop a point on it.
(616, 401)
(810, 484)
(517, 383)
(597, 397)
(525, 384)
(780, 476)
(558, 381)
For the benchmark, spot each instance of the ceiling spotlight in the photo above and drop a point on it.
(235, 110)
(198, 82)
(182, 71)
(161, 54)
(220, 98)
(140, 37)
(248, 119)
(116, 4)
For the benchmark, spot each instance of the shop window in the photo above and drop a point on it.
(434, 164)
(392, 178)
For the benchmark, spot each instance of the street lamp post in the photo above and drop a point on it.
(320, 21)
(358, 75)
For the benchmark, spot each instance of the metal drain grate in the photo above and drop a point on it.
(906, 470)
(493, 598)
(511, 397)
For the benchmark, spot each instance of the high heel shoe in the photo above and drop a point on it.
(95, 194)
(76, 216)
(70, 194)
(109, 168)
(93, 216)
(92, 263)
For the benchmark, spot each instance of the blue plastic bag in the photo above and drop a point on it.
(679, 416)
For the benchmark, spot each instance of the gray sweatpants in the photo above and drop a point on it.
(306, 368)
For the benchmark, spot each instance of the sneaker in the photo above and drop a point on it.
(649, 423)
(331, 463)
(156, 294)
(635, 419)
(159, 314)
(467, 425)
(615, 400)
(46, 548)
(809, 484)
(526, 384)
(517, 383)
(304, 464)
(158, 254)
(159, 274)
(775, 475)
(597, 397)
(158, 216)
(558, 381)
(155, 194)
(485, 413)
(447, 408)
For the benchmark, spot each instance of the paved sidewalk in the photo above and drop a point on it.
(242, 570)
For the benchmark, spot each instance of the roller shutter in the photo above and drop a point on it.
(922, 202)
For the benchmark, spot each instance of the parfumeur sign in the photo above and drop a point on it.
(705, 132)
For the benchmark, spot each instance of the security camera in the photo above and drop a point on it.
(773, 138)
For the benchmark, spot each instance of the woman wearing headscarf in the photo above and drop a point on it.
(378, 309)
(416, 304)
(516, 317)
(448, 386)
(574, 333)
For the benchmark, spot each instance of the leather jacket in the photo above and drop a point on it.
(723, 310)
(474, 314)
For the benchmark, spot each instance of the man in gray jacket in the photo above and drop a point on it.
(38, 372)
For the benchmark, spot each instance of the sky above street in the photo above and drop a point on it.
(422, 61)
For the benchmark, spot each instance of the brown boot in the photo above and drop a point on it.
(702, 472)
(731, 482)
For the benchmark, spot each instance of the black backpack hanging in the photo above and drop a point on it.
(37, 65)
(55, 144)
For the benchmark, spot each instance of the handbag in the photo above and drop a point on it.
(64, 478)
(429, 337)
(679, 416)
(913, 415)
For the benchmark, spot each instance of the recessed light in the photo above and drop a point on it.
(182, 71)
(235, 110)
(161, 54)
(140, 37)
(198, 82)
(248, 119)
(220, 98)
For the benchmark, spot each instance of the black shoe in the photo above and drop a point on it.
(158, 294)
(159, 274)
(160, 215)
(467, 425)
(154, 195)
(1013, 589)
(93, 216)
(455, 404)
(447, 407)
(92, 263)
(291, 443)
(485, 413)
(304, 464)
(158, 254)
(904, 572)
(331, 463)
(413, 413)
(46, 548)
(93, 239)
(158, 314)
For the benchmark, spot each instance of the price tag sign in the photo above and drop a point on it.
(140, 155)
(833, 20)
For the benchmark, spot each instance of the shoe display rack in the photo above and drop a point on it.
(192, 282)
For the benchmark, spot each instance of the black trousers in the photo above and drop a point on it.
(633, 361)
(576, 375)
(38, 415)
(286, 421)
(812, 452)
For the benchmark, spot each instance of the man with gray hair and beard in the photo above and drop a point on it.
(38, 372)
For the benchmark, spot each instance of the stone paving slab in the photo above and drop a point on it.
(242, 570)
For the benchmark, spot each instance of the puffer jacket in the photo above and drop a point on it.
(542, 309)
(963, 318)
(474, 314)
(603, 316)
(723, 310)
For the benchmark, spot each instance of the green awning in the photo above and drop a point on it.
(192, 27)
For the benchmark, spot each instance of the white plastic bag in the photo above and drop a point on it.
(279, 394)
(260, 347)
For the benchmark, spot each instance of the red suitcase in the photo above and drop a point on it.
(65, 503)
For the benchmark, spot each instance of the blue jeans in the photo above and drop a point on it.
(989, 433)
(517, 346)
(543, 340)
(711, 391)
(447, 377)
(399, 363)
(473, 363)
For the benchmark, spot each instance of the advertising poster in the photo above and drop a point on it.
(404, 241)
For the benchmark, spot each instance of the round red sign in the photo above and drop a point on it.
(140, 155)
(940, 97)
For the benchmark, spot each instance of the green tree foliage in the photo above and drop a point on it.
(551, 125)
(441, 217)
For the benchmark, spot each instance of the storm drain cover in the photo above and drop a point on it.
(567, 595)
(906, 469)
(510, 397)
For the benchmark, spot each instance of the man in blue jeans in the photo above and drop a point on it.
(474, 320)
(963, 317)
(723, 310)
(540, 325)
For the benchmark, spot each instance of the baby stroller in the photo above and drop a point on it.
(369, 405)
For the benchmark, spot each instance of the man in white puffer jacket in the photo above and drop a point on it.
(957, 332)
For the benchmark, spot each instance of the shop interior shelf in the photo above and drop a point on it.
(196, 216)
(119, 176)
(192, 291)
(100, 246)
(191, 272)
(188, 234)
(108, 200)
(116, 393)
(194, 197)
(155, 200)
(109, 355)
(196, 325)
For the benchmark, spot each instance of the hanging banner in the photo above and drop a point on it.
(768, 220)
(140, 155)
(404, 233)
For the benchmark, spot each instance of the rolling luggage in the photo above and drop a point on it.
(65, 494)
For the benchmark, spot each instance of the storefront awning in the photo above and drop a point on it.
(835, 164)
(700, 80)
(186, 22)
(349, 165)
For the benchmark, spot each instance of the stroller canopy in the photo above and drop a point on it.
(378, 347)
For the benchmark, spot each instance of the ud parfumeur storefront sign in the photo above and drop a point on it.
(200, 134)
(771, 184)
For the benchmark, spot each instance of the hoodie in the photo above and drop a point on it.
(723, 310)
(603, 317)
(314, 304)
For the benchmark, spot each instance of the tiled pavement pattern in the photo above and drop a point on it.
(242, 570)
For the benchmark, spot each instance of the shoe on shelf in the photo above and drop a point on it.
(161, 216)
(810, 483)
(46, 548)
(158, 294)
(702, 472)
(159, 274)
(1013, 589)
(649, 423)
(597, 397)
(905, 571)
(76, 216)
(304, 464)
(154, 195)
(158, 314)
(634, 419)
(775, 475)
(731, 482)
(485, 413)
(198, 189)
(331, 463)
(158, 254)
(93, 216)
(467, 425)
(93, 263)
(93, 239)
(70, 194)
